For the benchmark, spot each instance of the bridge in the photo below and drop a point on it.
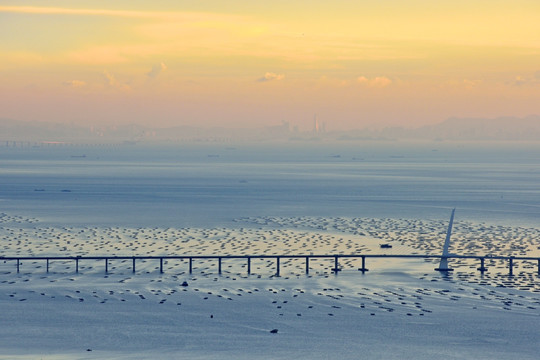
(248, 258)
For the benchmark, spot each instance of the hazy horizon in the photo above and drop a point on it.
(34, 133)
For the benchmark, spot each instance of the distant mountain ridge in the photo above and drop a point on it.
(501, 128)
(452, 129)
(461, 129)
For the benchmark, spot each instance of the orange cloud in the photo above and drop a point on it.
(114, 83)
(269, 76)
(162, 15)
(156, 70)
(74, 83)
(377, 82)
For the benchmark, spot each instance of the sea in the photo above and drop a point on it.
(214, 184)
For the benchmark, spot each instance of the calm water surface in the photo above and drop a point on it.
(210, 185)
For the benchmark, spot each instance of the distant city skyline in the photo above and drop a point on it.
(502, 129)
(245, 64)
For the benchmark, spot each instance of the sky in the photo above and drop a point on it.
(244, 63)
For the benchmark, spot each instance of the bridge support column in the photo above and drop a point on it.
(161, 265)
(190, 266)
(277, 266)
(307, 265)
(133, 265)
(482, 268)
(336, 265)
(18, 265)
(219, 266)
(363, 268)
(47, 266)
(106, 266)
(249, 265)
(76, 265)
(511, 266)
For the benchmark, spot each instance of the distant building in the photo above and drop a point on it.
(318, 128)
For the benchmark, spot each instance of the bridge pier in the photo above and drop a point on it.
(336, 265)
(76, 265)
(161, 265)
(106, 266)
(307, 265)
(47, 266)
(277, 266)
(219, 265)
(482, 268)
(133, 265)
(190, 265)
(511, 266)
(249, 265)
(363, 268)
(18, 265)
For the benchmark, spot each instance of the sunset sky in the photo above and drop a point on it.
(245, 63)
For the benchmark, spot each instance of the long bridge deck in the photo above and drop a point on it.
(277, 258)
